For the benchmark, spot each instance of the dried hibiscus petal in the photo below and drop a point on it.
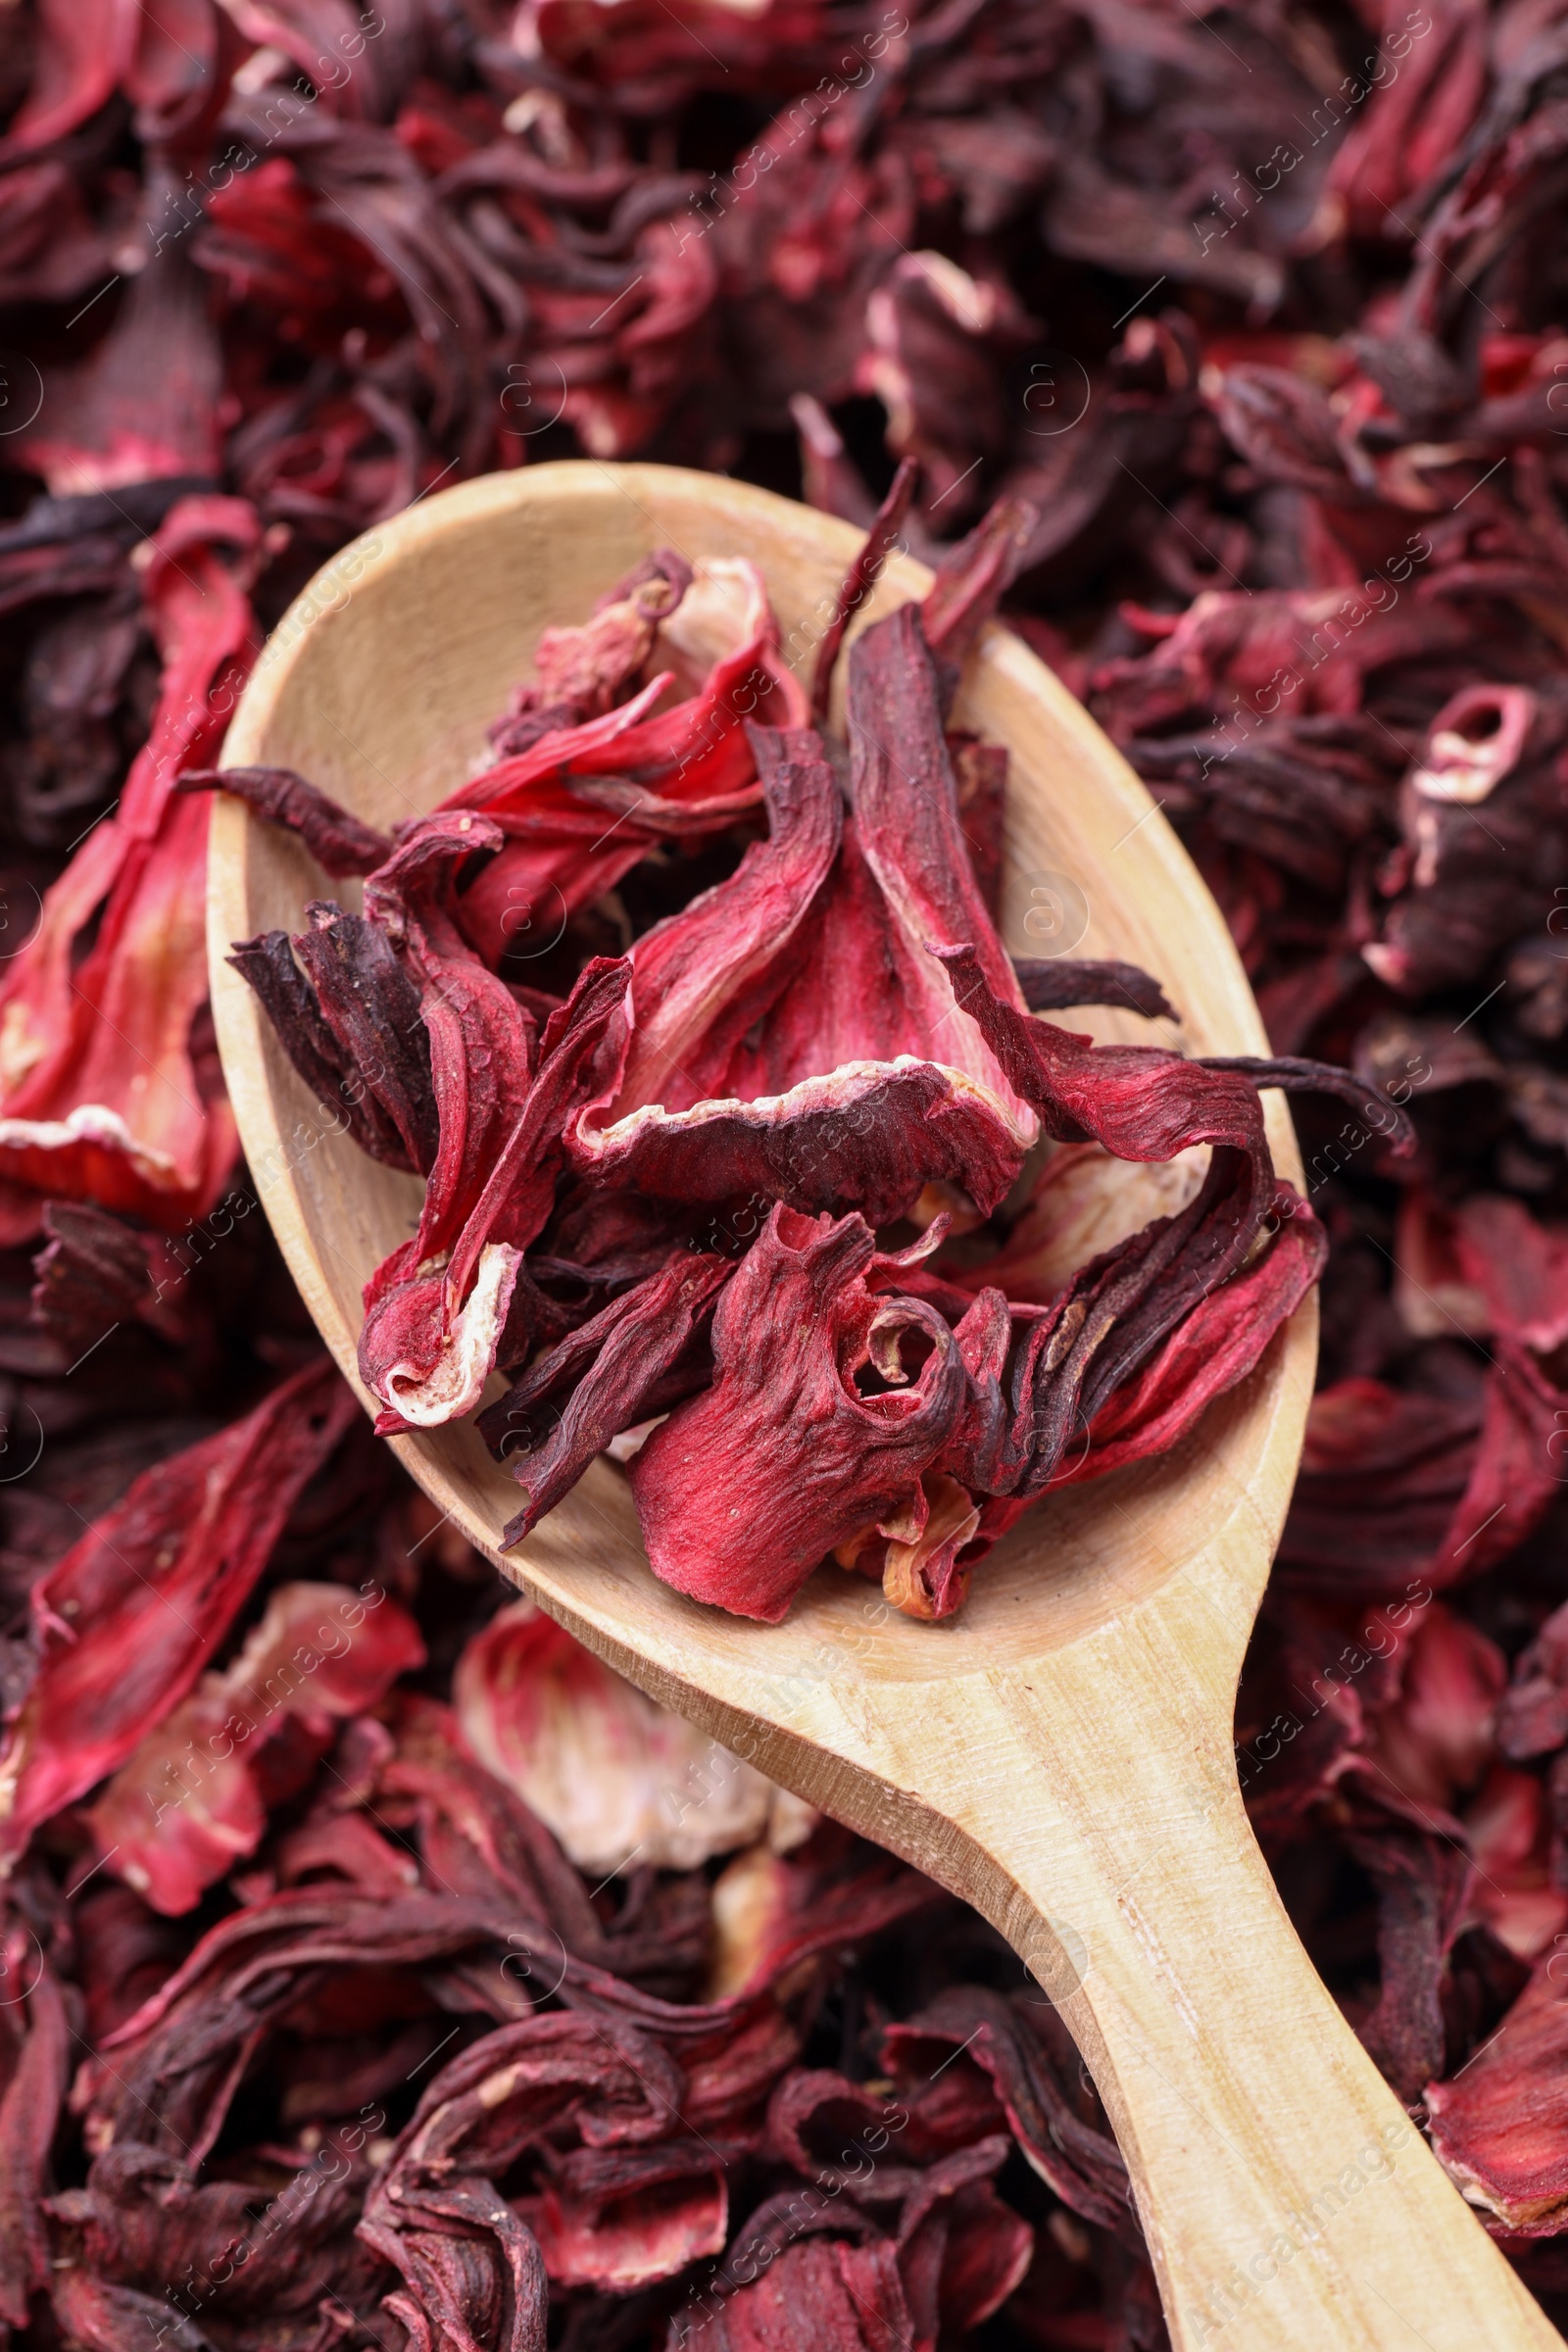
(114, 1656)
(620, 2219)
(611, 1773)
(315, 1047)
(621, 1367)
(689, 766)
(1217, 1343)
(436, 1308)
(581, 673)
(823, 2293)
(92, 1265)
(372, 1009)
(1498, 2127)
(794, 1458)
(552, 2081)
(186, 1804)
(961, 2251)
(99, 1097)
(1050, 984)
(340, 843)
(862, 578)
(857, 1097)
(35, 2062)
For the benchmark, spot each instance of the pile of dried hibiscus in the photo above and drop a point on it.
(671, 1200)
(1257, 323)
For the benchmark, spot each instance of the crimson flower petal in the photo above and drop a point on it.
(1501, 2128)
(373, 1011)
(1030, 2060)
(340, 843)
(1217, 1343)
(859, 580)
(437, 1308)
(759, 1077)
(630, 1350)
(690, 765)
(1051, 983)
(99, 1097)
(613, 1773)
(961, 2251)
(125, 1621)
(352, 1031)
(186, 1804)
(820, 2294)
(792, 1458)
(35, 2065)
(635, 2217)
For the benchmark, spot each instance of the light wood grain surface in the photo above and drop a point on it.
(1060, 1754)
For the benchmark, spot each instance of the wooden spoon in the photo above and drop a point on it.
(1060, 1755)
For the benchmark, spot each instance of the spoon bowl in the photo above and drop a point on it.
(1061, 1753)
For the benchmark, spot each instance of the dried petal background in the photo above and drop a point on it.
(320, 2019)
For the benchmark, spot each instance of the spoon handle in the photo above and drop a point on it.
(1290, 2203)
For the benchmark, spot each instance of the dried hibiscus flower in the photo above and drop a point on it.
(843, 1397)
(615, 1775)
(99, 1094)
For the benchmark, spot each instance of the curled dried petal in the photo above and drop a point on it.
(792, 1456)
(339, 840)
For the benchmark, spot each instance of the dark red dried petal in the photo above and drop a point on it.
(859, 583)
(1030, 2059)
(690, 768)
(820, 2296)
(1219, 1342)
(437, 1308)
(481, 2282)
(100, 1097)
(339, 842)
(129, 1618)
(1295, 1075)
(34, 2068)
(624, 2219)
(1532, 1714)
(961, 2251)
(1399, 1487)
(1140, 1101)
(76, 72)
(1051, 983)
(971, 580)
(372, 1009)
(1501, 2127)
(1422, 1883)
(765, 1081)
(825, 2127)
(792, 1458)
(266, 964)
(704, 977)
(627, 1354)
(193, 1795)
(581, 673)
(906, 814)
(867, 1137)
(93, 1267)
(482, 1044)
